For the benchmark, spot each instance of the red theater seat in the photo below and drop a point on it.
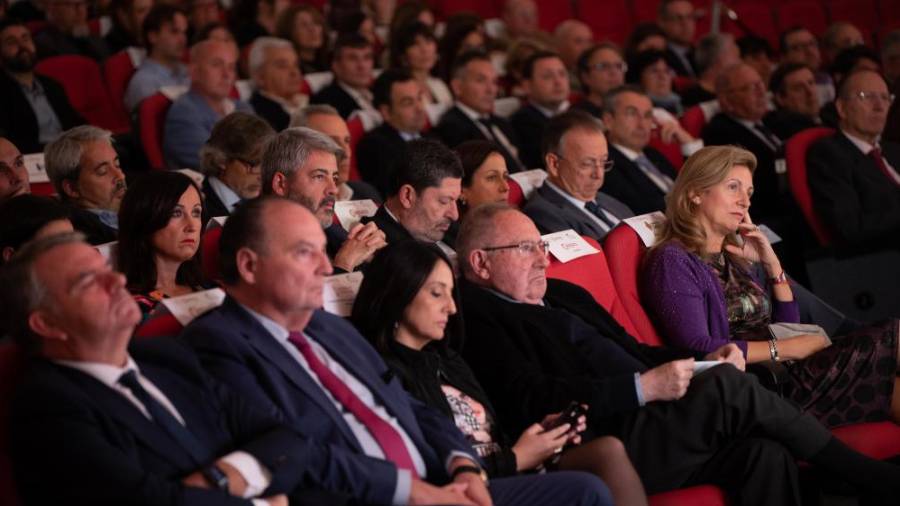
(151, 121)
(806, 13)
(795, 157)
(554, 12)
(158, 326)
(487, 9)
(758, 18)
(609, 19)
(209, 259)
(117, 71)
(516, 197)
(862, 13)
(357, 130)
(693, 120)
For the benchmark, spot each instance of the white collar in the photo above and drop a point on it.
(105, 373)
(629, 153)
(563, 107)
(358, 95)
(861, 144)
(228, 196)
(575, 201)
(471, 113)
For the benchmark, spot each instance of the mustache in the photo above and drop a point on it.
(327, 200)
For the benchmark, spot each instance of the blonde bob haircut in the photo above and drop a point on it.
(703, 170)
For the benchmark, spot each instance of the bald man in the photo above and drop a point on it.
(190, 120)
(572, 37)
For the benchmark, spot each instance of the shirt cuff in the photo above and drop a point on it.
(689, 148)
(463, 455)
(258, 478)
(638, 390)
(403, 488)
(260, 502)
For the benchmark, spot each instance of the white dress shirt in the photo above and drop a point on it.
(580, 205)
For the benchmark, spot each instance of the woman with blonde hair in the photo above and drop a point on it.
(714, 278)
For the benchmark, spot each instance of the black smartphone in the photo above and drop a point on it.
(570, 415)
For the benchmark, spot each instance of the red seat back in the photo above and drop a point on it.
(357, 130)
(209, 259)
(592, 273)
(160, 325)
(516, 197)
(81, 78)
(553, 12)
(693, 120)
(758, 18)
(624, 254)
(11, 365)
(151, 122)
(609, 19)
(487, 9)
(861, 13)
(117, 70)
(795, 157)
(806, 13)
(671, 150)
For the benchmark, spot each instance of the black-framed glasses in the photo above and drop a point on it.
(524, 247)
(590, 164)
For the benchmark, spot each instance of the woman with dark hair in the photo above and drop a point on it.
(463, 32)
(650, 70)
(304, 26)
(485, 177)
(407, 308)
(414, 47)
(644, 37)
(407, 12)
(159, 237)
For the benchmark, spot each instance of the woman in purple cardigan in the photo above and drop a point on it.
(698, 286)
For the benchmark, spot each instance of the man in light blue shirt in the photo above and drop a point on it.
(165, 30)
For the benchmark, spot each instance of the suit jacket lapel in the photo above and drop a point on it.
(571, 213)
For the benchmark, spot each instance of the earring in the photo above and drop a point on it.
(696, 200)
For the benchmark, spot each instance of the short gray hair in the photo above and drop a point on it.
(708, 50)
(289, 150)
(62, 157)
(257, 57)
(478, 228)
(23, 292)
(301, 119)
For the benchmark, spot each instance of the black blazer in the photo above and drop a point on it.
(52, 42)
(675, 62)
(336, 97)
(455, 127)
(395, 232)
(363, 190)
(212, 204)
(76, 441)
(89, 224)
(376, 154)
(627, 183)
(695, 95)
(270, 111)
(18, 122)
(785, 124)
(533, 360)
(851, 194)
(529, 124)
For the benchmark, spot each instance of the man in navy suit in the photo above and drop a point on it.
(270, 340)
(576, 156)
(94, 422)
(546, 83)
(351, 64)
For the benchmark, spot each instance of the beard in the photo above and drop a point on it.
(22, 62)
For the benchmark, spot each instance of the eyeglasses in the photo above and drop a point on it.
(607, 66)
(872, 97)
(524, 248)
(252, 167)
(590, 164)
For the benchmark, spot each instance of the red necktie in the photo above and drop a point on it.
(385, 435)
(876, 154)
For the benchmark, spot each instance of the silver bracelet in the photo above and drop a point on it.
(773, 350)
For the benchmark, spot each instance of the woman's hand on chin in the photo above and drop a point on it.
(756, 248)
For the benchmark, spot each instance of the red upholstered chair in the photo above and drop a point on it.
(553, 12)
(11, 363)
(644, 10)
(795, 157)
(609, 19)
(151, 120)
(117, 71)
(671, 150)
(160, 325)
(806, 13)
(758, 18)
(487, 9)
(357, 129)
(516, 197)
(81, 78)
(862, 13)
(693, 120)
(209, 256)
(43, 189)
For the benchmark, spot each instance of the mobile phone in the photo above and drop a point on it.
(570, 415)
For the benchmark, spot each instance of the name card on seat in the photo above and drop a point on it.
(340, 291)
(187, 307)
(529, 180)
(568, 245)
(37, 170)
(646, 226)
(350, 212)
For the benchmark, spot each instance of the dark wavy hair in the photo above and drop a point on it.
(147, 208)
(393, 278)
(404, 38)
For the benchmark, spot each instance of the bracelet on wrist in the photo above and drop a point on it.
(780, 279)
(773, 350)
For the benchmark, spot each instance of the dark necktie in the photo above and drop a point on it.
(876, 155)
(489, 124)
(598, 212)
(658, 176)
(164, 418)
(769, 138)
(385, 435)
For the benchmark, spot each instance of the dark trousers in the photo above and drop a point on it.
(559, 487)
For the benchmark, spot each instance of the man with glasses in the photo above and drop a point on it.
(546, 83)
(793, 88)
(678, 21)
(67, 32)
(577, 158)
(854, 177)
(600, 69)
(799, 45)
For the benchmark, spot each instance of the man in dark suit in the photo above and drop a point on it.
(421, 201)
(35, 108)
(231, 160)
(796, 97)
(67, 32)
(400, 100)
(151, 427)
(544, 343)
(275, 70)
(270, 341)
(474, 85)
(641, 176)
(351, 64)
(546, 83)
(84, 169)
(678, 21)
(576, 157)
(853, 178)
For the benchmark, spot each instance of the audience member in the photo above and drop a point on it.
(165, 36)
(202, 14)
(793, 87)
(485, 178)
(414, 47)
(304, 26)
(84, 169)
(127, 22)
(352, 63)
(191, 118)
(463, 32)
(650, 70)
(474, 86)
(35, 107)
(410, 11)
(642, 176)
(799, 45)
(13, 173)
(255, 18)
(839, 36)
(890, 57)
(231, 160)
(212, 31)
(571, 38)
(301, 164)
(600, 69)
(421, 201)
(714, 54)
(520, 19)
(67, 32)
(324, 118)
(516, 56)
(159, 237)
(275, 71)
(576, 158)
(271, 342)
(400, 99)
(548, 342)
(407, 309)
(546, 84)
(678, 21)
(29, 217)
(358, 21)
(152, 427)
(706, 290)
(756, 52)
(645, 36)
(853, 178)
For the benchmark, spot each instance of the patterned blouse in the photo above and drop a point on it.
(748, 305)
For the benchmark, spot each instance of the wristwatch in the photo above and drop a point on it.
(216, 477)
(470, 469)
